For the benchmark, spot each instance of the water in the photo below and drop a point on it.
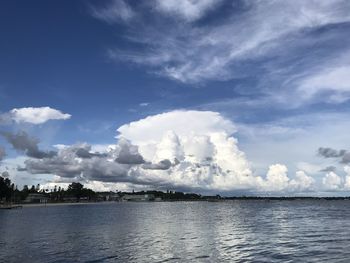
(237, 231)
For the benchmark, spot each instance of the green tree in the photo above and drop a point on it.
(6, 188)
(75, 189)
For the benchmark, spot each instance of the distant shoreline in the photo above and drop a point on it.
(229, 199)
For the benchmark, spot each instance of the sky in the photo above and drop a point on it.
(210, 96)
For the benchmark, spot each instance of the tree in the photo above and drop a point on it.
(6, 188)
(75, 189)
(25, 188)
(32, 189)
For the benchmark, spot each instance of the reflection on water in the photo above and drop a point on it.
(237, 231)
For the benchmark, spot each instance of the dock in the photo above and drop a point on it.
(10, 207)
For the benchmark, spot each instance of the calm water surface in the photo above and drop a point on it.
(237, 231)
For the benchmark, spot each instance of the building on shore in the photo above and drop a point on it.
(113, 197)
(36, 198)
(138, 198)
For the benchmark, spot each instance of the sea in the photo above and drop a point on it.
(230, 231)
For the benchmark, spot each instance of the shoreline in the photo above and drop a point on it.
(266, 199)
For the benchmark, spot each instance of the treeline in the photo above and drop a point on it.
(75, 191)
(166, 196)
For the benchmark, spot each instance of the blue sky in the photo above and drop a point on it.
(277, 70)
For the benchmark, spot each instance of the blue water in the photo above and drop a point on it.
(237, 231)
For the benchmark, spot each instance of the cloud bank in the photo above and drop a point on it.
(179, 149)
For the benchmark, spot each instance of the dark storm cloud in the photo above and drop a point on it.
(21, 169)
(5, 174)
(21, 141)
(91, 169)
(96, 168)
(128, 153)
(345, 158)
(343, 155)
(327, 152)
(329, 169)
(55, 165)
(77, 161)
(162, 165)
(84, 151)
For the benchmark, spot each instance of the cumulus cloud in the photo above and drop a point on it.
(347, 177)
(332, 181)
(68, 164)
(37, 115)
(277, 180)
(181, 122)
(21, 141)
(159, 151)
(302, 181)
(276, 177)
(83, 150)
(162, 165)
(201, 153)
(128, 153)
(32, 115)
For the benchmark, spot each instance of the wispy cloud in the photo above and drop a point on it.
(115, 11)
(229, 48)
(189, 10)
(332, 80)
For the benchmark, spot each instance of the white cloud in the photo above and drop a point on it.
(347, 177)
(335, 80)
(277, 178)
(297, 146)
(184, 123)
(179, 149)
(310, 167)
(194, 53)
(332, 181)
(302, 181)
(37, 115)
(115, 11)
(188, 10)
(203, 154)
